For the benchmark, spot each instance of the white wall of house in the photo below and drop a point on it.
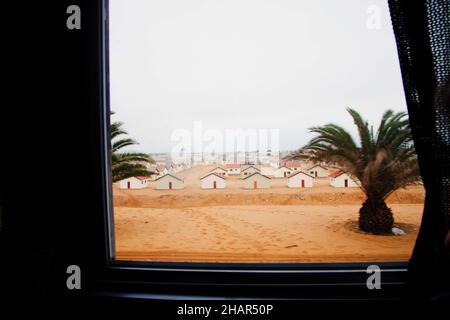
(133, 183)
(257, 181)
(249, 171)
(208, 181)
(220, 172)
(234, 171)
(339, 181)
(318, 172)
(282, 172)
(168, 182)
(296, 181)
(162, 172)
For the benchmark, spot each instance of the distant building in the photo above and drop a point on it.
(300, 179)
(212, 181)
(341, 179)
(317, 171)
(233, 168)
(161, 170)
(267, 170)
(137, 182)
(173, 168)
(282, 172)
(220, 171)
(169, 182)
(293, 165)
(256, 181)
(249, 170)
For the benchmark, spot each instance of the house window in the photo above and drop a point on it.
(307, 61)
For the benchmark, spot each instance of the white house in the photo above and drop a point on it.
(233, 168)
(220, 171)
(161, 169)
(300, 179)
(212, 181)
(174, 168)
(293, 165)
(137, 182)
(169, 182)
(256, 181)
(341, 179)
(249, 170)
(282, 172)
(317, 171)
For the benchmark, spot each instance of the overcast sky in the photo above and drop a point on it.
(261, 64)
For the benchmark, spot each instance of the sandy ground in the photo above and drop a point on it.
(276, 224)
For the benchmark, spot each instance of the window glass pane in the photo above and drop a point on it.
(214, 102)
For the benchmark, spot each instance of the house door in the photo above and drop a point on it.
(315, 174)
(303, 183)
(255, 184)
(285, 174)
(214, 185)
(128, 185)
(346, 183)
(170, 185)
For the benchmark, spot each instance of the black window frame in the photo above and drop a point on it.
(161, 280)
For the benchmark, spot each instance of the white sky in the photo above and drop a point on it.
(261, 64)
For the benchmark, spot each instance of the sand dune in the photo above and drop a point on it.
(276, 224)
(259, 233)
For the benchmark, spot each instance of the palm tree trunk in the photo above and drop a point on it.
(375, 216)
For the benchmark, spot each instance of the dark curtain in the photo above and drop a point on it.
(422, 31)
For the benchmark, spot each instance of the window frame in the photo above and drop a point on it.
(147, 279)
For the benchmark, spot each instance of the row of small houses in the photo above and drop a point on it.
(284, 171)
(165, 182)
(252, 177)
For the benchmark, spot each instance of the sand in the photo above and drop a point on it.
(274, 225)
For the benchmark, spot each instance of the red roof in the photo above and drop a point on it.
(141, 177)
(232, 165)
(292, 164)
(336, 173)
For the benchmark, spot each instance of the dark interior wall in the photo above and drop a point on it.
(47, 142)
(45, 146)
(422, 30)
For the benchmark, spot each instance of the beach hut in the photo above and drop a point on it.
(173, 168)
(220, 171)
(300, 179)
(233, 168)
(212, 181)
(169, 182)
(317, 171)
(282, 172)
(249, 171)
(341, 179)
(137, 182)
(161, 170)
(256, 181)
(293, 165)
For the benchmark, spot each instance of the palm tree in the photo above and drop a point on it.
(126, 164)
(382, 162)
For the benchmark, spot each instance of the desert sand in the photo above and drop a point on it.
(279, 224)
